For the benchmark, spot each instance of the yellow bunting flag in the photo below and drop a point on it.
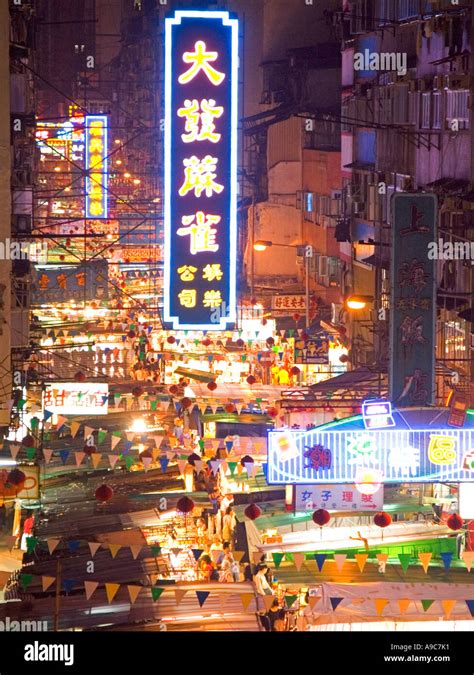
(74, 428)
(114, 549)
(313, 600)
(90, 588)
(135, 549)
(448, 606)
(154, 453)
(246, 599)
(361, 559)
(179, 595)
(133, 592)
(425, 560)
(52, 543)
(468, 557)
(94, 547)
(79, 457)
(238, 555)
(298, 559)
(340, 559)
(47, 582)
(403, 603)
(380, 604)
(268, 601)
(95, 458)
(111, 590)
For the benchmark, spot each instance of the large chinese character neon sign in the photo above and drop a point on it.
(96, 166)
(200, 170)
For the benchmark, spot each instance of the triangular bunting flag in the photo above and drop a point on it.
(74, 428)
(238, 555)
(31, 544)
(164, 461)
(61, 421)
(156, 550)
(87, 432)
(129, 462)
(268, 601)
(114, 441)
(133, 592)
(298, 559)
(470, 606)
(14, 449)
(340, 559)
(447, 558)
(114, 549)
(179, 595)
(468, 557)
(405, 559)
(426, 604)
(94, 547)
(90, 588)
(47, 582)
(101, 436)
(113, 459)
(382, 558)
(197, 552)
(448, 606)
(135, 549)
(64, 454)
(73, 545)
(95, 459)
(320, 560)
(335, 602)
(361, 559)
(47, 453)
(202, 597)
(111, 590)
(52, 544)
(215, 464)
(425, 560)
(277, 558)
(79, 457)
(380, 604)
(26, 579)
(313, 600)
(146, 461)
(156, 592)
(403, 603)
(246, 599)
(289, 600)
(181, 465)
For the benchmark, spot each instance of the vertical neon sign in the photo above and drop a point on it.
(201, 77)
(96, 142)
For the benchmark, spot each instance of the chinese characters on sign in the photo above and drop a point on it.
(413, 300)
(200, 170)
(289, 302)
(336, 497)
(312, 350)
(96, 166)
(72, 283)
(69, 398)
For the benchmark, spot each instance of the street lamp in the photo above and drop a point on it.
(358, 301)
(262, 245)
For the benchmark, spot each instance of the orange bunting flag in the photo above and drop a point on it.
(380, 604)
(114, 549)
(74, 428)
(468, 557)
(133, 592)
(246, 599)
(111, 590)
(256, 555)
(298, 559)
(11, 541)
(268, 601)
(52, 543)
(448, 606)
(361, 559)
(179, 595)
(181, 465)
(403, 603)
(90, 588)
(4, 577)
(47, 582)
(79, 457)
(313, 600)
(135, 549)
(425, 560)
(95, 458)
(238, 555)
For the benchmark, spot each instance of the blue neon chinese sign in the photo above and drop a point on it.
(365, 456)
(413, 302)
(201, 77)
(96, 142)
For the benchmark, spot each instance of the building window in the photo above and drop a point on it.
(436, 110)
(308, 206)
(457, 108)
(426, 110)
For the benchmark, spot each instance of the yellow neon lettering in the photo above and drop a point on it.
(212, 272)
(212, 299)
(187, 297)
(200, 60)
(204, 112)
(202, 234)
(199, 175)
(187, 272)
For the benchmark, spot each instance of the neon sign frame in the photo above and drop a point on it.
(89, 169)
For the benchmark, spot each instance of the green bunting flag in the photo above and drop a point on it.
(26, 579)
(156, 592)
(129, 461)
(289, 600)
(277, 558)
(101, 436)
(30, 453)
(405, 559)
(155, 551)
(31, 544)
(426, 604)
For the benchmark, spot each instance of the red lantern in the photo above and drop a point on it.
(206, 342)
(454, 522)
(137, 391)
(296, 317)
(251, 380)
(185, 505)
(186, 402)
(343, 358)
(229, 408)
(295, 371)
(270, 341)
(104, 493)
(16, 477)
(212, 386)
(79, 376)
(246, 459)
(321, 517)
(131, 334)
(253, 512)
(382, 519)
(170, 339)
(28, 441)
(272, 412)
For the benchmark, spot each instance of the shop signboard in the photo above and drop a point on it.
(370, 456)
(312, 351)
(29, 489)
(96, 177)
(200, 215)
(289, 303)
(64, 283)
(337, 498)
(413, 301)
(75, 398)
